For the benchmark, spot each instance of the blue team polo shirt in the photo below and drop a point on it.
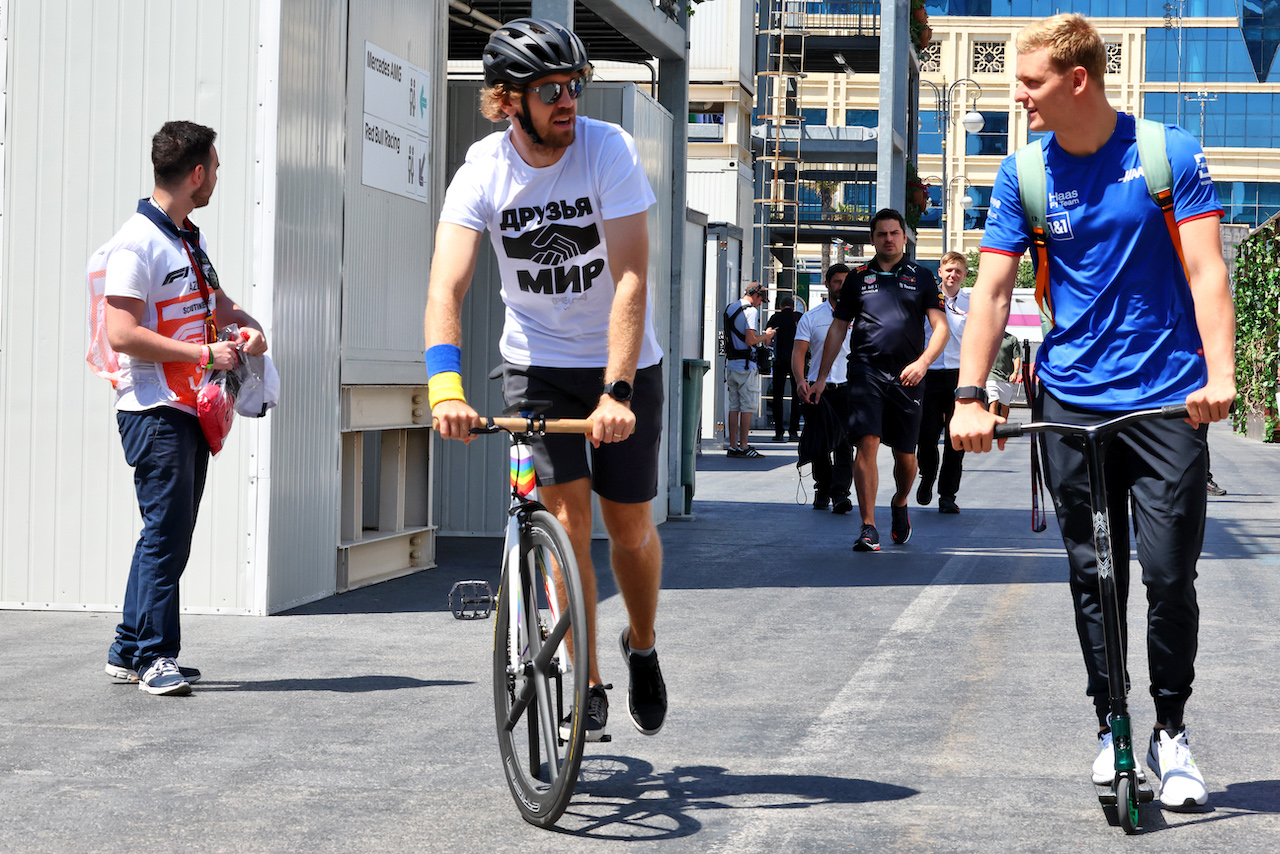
(1125, 335)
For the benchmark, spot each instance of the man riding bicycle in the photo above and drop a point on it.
(565, 200)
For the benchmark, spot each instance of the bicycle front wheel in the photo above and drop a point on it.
(539, 688)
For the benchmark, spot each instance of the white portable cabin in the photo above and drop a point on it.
(331, 121)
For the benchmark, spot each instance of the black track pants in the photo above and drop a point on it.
(1157, 469)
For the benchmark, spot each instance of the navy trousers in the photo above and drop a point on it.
(170, 459)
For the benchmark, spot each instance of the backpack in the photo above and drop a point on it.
(1032, 189)
(760, 355)
(731, 332)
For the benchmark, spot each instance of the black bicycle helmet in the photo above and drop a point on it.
(528, 49)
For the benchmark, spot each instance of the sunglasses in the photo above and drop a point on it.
(550, 92)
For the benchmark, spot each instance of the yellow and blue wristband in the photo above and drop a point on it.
(444, 373)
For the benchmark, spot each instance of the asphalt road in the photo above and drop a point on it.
(927, 698)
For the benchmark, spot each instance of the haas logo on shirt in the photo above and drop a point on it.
(550, 247)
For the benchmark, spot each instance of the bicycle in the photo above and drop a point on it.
(1126, 792)
(540, 635)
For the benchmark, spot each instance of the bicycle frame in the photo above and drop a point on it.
(518, 575)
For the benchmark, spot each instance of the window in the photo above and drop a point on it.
(988, 57)
(1220, 119)
(1088, 8)
(1248, 202)
(932, 218)
(930, 138)
(1217, 54)
(992, 139)
(976, 217)
(814, 116)
(1115, 57)
(862, 118)
(931, 57)
(859, 199)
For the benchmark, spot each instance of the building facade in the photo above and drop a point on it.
(1200, 64)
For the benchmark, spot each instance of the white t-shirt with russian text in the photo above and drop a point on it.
(547, 228)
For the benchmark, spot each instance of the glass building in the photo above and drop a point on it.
(1207, 65)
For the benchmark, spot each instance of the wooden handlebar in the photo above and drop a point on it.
(521, 425)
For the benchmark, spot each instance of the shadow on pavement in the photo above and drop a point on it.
(338, 684)
(625, 799)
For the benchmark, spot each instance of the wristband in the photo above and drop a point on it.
(206, 356)
(443, 359)
(445, 386)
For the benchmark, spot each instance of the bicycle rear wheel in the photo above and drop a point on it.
(541, 615)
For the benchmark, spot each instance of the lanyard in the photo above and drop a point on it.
(161, 220)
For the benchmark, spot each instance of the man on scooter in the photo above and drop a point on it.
(1133, 328)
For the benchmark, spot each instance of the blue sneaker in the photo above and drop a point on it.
(163, 677)
(120, 673)
(868, 540)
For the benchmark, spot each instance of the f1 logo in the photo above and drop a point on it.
(1060, 226)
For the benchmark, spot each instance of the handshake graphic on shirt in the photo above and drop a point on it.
(552, 245)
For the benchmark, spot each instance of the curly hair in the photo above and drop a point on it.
(492, 97)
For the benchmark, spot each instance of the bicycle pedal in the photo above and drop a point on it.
(471, 600)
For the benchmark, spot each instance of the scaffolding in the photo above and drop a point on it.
(779, 91)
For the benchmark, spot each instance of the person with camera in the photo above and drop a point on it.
(741, 319)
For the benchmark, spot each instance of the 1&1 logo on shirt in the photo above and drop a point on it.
(1060, 226)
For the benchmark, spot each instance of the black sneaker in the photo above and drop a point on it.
(924, 494)
(647, 694)
(1213, 488)
(947, 505)
(868, 540)
(900, 529)
(597, 716)
(820, 501)
(843, 506)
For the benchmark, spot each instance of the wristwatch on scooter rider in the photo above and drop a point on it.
(619, 390)
(972, 392)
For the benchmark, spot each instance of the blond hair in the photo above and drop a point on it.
(1072, 41)
(951, 257)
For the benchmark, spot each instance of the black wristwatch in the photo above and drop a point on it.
(967, 392)
(619, 390)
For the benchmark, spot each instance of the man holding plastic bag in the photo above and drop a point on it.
(155, 308)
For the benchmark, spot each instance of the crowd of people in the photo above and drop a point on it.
(1138, 314)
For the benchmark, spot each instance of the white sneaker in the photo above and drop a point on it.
(1181, 784)
(1104, 767)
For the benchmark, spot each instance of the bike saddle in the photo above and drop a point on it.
(527, 408)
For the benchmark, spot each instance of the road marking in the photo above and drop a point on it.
(861, 697)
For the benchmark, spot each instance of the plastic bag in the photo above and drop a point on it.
(215, 408)
(259, 385)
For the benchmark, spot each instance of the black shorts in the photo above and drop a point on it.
(625, 472)
(880, 405)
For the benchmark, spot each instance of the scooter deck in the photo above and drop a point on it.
(1107, 794)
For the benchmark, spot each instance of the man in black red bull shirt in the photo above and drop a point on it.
(888, 301)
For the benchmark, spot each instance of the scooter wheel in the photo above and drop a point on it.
(1127, 804)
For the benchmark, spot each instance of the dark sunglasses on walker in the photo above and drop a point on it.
(550, 92)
